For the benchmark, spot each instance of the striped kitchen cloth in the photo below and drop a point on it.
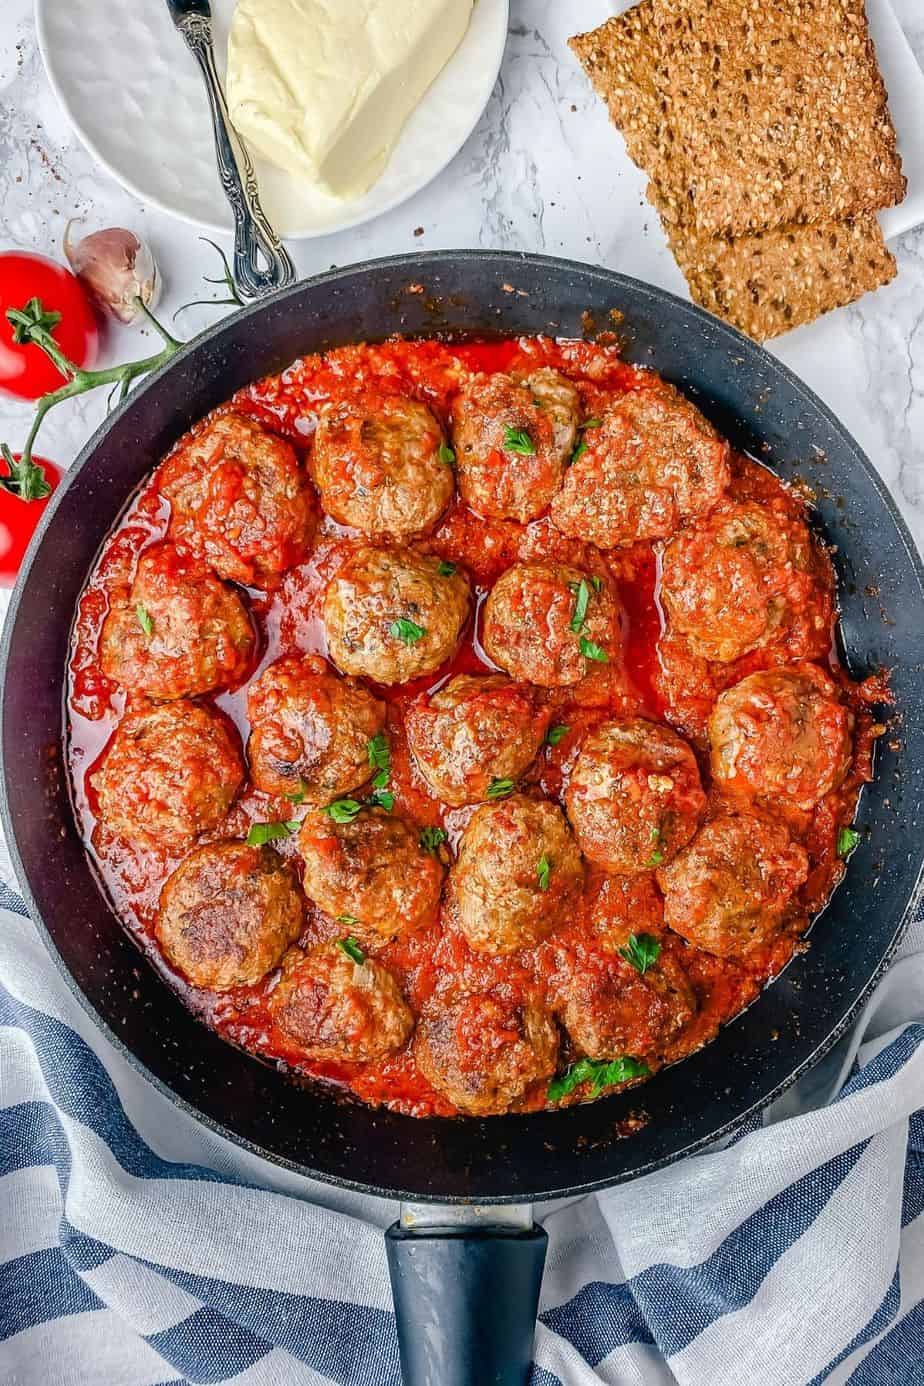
(137, 1247)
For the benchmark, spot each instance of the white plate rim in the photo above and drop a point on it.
(347, 223)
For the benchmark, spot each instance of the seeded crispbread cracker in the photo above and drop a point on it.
(622, 60)
(779, 113)
(768, 283)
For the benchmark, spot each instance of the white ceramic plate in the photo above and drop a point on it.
(135, 98)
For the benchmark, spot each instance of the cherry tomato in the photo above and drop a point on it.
(25, 370)
(18, 519)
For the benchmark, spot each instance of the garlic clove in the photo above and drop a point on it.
(117, 269)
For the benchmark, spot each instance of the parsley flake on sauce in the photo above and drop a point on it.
(382, 798)
(379, 753)
(348, 919)
(847, 840)
(592, 651)
(543, 871)
(431, 839)
(343, 810)
(518, 440)
(446, 455)
(599, 1073)
(408, 631)
(298, 795)
(261, 833)
(641, 951)
(655, 859)
(556, 734)
(144, 620)
(352, 950)
(500, 789)
(581, 592)
(446, 569)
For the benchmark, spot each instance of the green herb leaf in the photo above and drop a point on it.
(261, 833)
(380, 780)
(382, 799)
(431, 839)
(298, 795)
(556, 734)
(408, 631)
(591, 423)
(352, 950)
(581, 592)
(379, 752)
(543, 871)
(446, 569)
(446, 455)
(579, 451)
(599, 1073)
(597, 583)
(655, 859)
(500, 789)
(144, 620)
(591, 651)
(642, 951)
(518, 440)
(343, 810)
(847, 840)
(348, 919)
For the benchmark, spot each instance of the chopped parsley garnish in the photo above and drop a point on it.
(556, 734)
(382, 798)
(518, 440)
(655, 859)
(592, 651)
(343, 810)
(599, 1073)
(431, 839)
(379, 753)
(582, 442)
(144, 620)
(597, 583)
(446, 455)
(405, 630)
(348, 919)
(578, 452)
(298, 795)
(581, 592)
(352, 950)
(499, 789)
(261, 833)
(446, 569)
(543, 871)
(591, 423)
(847, 840)
(642, 951)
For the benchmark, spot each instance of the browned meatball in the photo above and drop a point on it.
(393, 615)
(228, 913)
(653, 462)
(513, 438)
(734, 582)
(310, 730)
(518, 874)
(171, 772)
(240, 501)
(485, 1050)
(333, 1007)
(533, 627)
(371, 870)
(178, 632)
(613, 1011)
(730, 889)
(634, 798)
(782, 734)
(473, 732)
(377, 464)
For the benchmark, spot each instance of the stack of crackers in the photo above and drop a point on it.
(765, 131)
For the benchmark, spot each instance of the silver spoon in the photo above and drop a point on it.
(260, 261)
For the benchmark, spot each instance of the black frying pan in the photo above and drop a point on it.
(762, 408)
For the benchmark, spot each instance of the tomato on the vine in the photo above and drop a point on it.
(25, 370)
(18, 519)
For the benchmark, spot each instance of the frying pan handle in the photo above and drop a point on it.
(466, 1300)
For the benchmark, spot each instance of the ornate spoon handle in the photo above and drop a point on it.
(261, 262)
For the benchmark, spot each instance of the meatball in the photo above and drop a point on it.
(310, 730)
(733, 582)
(513, 438)
(473, 732)
(634, 798)
(335, 1008)
(178, 632)
(729, 890)
(518, 874)
(781, 734)
(612, 1011)
(371, 869)
(484, 1050)
(240, 500)
(393, 615)
(652, 462)
(534, 628)
(376, 463)
(227, 915)
(172, 771)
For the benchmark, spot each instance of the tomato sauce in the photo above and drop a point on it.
(655, 678)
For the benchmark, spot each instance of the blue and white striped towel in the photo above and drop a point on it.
(137, 1248)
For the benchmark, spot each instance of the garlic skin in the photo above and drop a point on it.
(116, 268)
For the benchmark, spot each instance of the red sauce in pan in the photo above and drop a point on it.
(644, 682)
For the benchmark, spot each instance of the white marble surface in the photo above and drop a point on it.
(533, 176)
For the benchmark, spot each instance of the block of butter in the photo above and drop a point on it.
(322, 88)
